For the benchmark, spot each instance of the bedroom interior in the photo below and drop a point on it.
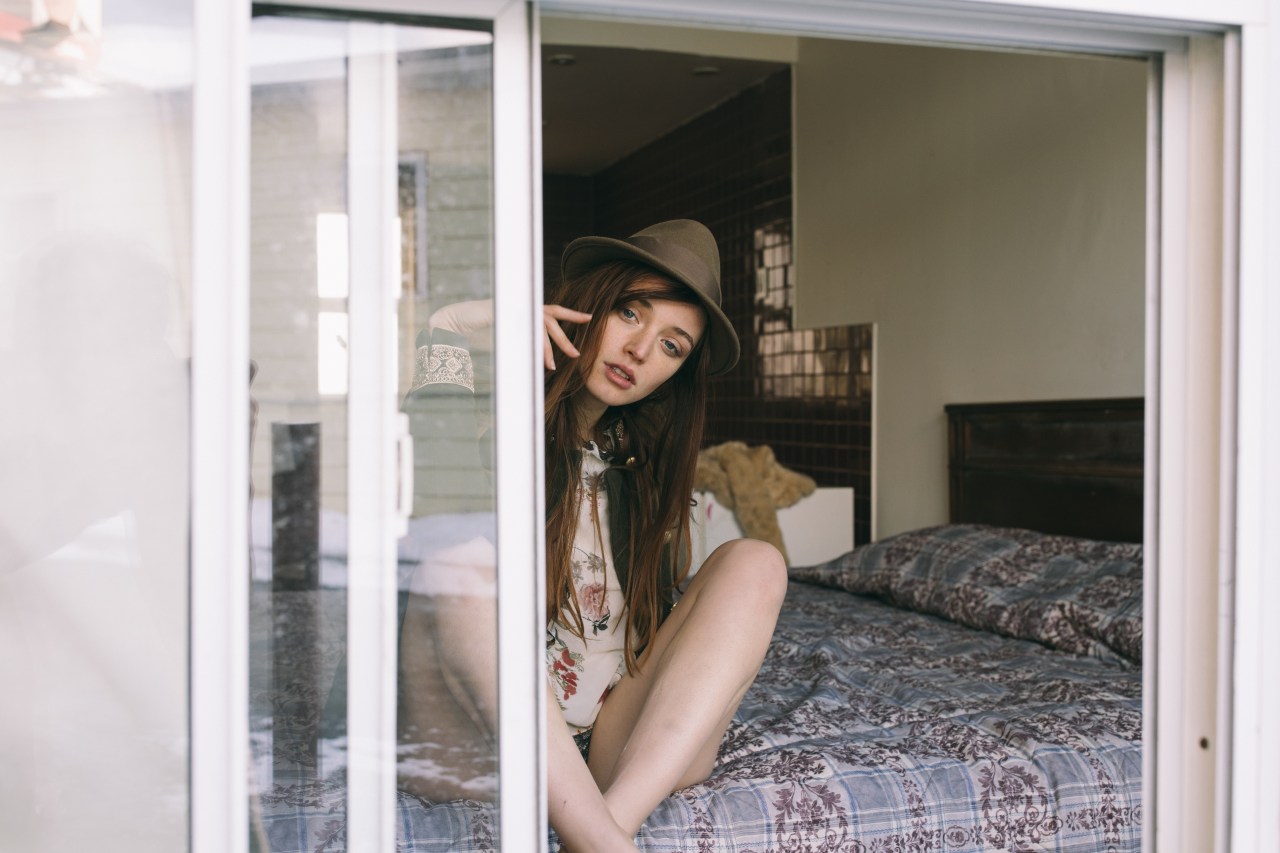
(976, 220)
(946, 299)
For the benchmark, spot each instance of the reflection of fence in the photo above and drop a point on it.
(295, 586)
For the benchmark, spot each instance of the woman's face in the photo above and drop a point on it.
(644, 342)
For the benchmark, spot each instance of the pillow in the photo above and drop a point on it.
(1077, 595)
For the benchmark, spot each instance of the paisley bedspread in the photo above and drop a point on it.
(873, 729)
(870, 728)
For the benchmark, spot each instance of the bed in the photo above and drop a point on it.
(971, 686)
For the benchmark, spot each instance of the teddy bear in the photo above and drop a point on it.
(749, 481)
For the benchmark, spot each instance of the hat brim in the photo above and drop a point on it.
(586, 253)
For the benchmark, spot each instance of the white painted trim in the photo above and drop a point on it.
(479, 10)
(372, 159)
(219, 656)
(539, 436)
(1008, 25)
(1170, 484)
(1227, 430)
(1151, 447)
(1190, 476)
(1134, 16)
(1256, 687)
(518, 383)
(1212, 12)
(728, 44)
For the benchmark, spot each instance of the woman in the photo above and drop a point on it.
(639, 691)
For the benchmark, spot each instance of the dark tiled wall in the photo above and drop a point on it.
(568, 211)
(805, 393)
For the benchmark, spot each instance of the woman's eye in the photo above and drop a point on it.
(626, 313)
(672, 347)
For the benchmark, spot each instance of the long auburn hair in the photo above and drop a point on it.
(661, 436)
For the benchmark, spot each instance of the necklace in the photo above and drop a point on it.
(613, 437)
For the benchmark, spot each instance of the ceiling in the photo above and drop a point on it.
(608, 102)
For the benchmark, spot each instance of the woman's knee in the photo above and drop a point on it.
(756, 567)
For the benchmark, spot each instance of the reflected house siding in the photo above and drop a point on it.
(445, 119)
(298, 163)
(299, 172)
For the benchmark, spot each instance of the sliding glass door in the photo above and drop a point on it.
(376, 689)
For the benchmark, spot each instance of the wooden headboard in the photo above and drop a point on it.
(1072, 467)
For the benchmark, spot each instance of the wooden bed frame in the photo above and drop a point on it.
(1071, 467)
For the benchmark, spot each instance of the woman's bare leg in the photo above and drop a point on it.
(690, 683)
(575, 806)
(449, 679)
(660, 729)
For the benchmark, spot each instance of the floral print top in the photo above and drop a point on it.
(582, 671)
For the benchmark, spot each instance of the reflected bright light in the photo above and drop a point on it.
(331, 353)
(332, 256)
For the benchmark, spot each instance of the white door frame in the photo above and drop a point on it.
(1255, 689)
(219, 652)
(1215, 195)
(372, 430)
(1190, 478)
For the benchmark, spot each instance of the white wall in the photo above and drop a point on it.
(986, 211)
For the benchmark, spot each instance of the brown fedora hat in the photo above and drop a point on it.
(683, 249)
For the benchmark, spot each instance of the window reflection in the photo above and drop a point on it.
(445, 756)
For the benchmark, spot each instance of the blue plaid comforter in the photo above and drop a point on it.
(870, 728)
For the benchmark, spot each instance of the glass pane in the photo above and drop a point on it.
(448, 668)
(446, 752)
(95, 134)
(298, 453)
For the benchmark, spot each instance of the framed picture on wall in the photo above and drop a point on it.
(412, 192)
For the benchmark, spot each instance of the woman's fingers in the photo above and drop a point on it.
(551, 317)
(562, 313)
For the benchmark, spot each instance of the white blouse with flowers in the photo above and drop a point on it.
(583, 670)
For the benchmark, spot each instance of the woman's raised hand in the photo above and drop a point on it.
(551, 317)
